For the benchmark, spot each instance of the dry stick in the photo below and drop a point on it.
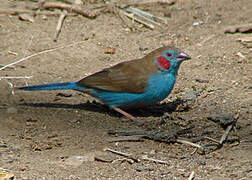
(131, 16)
(126, 138)
(191, 176)
(225, 135)
(169, 2)
(194, 151)
(59, 26)
(145, 15)
(17, 77)
(189, 143)
(136, 3)
(135, 158)
(70, 8)
(21, 11)
(154, 160)
(41, 52)
(123, 154)
(211, 139)
(68, 1)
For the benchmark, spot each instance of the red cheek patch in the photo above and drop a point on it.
(163, 62)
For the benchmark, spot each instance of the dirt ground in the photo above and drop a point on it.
(58, 134)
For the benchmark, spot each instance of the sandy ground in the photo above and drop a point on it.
(47, 135)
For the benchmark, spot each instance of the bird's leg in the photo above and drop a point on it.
(124, 113)
(115, 108)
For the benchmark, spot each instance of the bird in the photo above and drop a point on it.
(129, 84)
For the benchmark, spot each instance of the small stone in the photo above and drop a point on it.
(140, 169)
(12, 110)
(202, 80)
(191, 95)
(109, 51)
(197, 23)
(74, 161)
(3, 145)
(167, 14)
(53, 134)
(44, 17)
(78, 160)
(26, 17)
(141, 48)
(29, 123)
(104, 156)
(31, 120)
(223, 119)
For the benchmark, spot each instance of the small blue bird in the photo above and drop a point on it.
(129, 84)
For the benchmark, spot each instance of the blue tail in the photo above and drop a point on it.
(53, 86)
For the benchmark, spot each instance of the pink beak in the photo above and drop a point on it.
(183, 56)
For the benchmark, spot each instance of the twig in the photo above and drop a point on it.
(135, 158)
(133, 3)
(131, 16)
(154, 160)
(123, 159)
(21, 11)
(126, 138)
(13, 53)
(41, 52)
(194, 151)
(18, 77)
(191, 177)
(68, 1)
(225, 135)
(68, 7)
(130, 156)
(146, 15)
(59, 26)
(211, 139)
(169, 2)
(189, 143)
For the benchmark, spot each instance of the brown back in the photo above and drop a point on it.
(129, 76)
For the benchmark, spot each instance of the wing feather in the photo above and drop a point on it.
(130, 76)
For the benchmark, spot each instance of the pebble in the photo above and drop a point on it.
(167, 14)
(196, 23)
(109, 51)
(75, 160)
(12, 110)
(191, 95)
(202, 80)
(224, 119)
(141, 48)
(140, 169)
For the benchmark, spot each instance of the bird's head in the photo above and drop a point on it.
(171, 59)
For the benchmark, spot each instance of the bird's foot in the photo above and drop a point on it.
(137, 121)
(124, 113)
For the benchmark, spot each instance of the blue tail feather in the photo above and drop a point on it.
(53, 86)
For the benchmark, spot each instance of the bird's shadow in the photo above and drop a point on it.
(156, 110)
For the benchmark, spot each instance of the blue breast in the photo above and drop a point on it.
(159, 87)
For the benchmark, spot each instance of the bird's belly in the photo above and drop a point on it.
(158, 88)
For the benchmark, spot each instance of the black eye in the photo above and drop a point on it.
(168, 54)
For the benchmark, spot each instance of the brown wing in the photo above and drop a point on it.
(130, 76)
(124, 77)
